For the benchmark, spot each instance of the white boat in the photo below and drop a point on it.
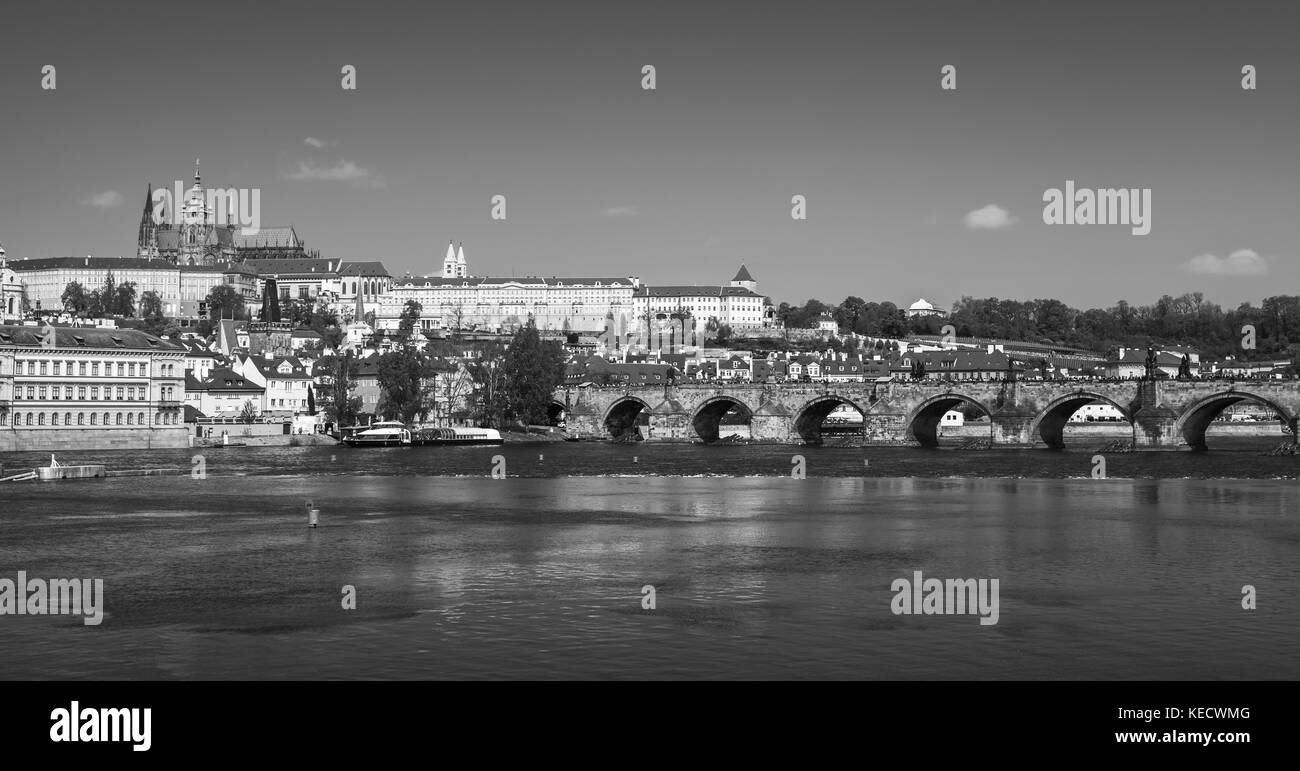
(386, 433)
(437, 436)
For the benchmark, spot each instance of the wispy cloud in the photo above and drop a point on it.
(621, 211)
(105, 200)
(1243, 262)
(343, 171)
(318, 143)
(991, 217)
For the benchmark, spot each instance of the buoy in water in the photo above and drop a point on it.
(540, 458)
(313, 515)
(634, 459)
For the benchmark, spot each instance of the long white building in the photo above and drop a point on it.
(737, 305)
(456, 299)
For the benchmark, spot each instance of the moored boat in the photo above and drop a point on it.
(439, 436)
(387, 433)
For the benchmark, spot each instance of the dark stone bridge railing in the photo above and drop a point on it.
(1163, 413)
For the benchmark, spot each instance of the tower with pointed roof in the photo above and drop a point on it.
(449, 262)
(744, 280)
(454, 265)
(145, 241)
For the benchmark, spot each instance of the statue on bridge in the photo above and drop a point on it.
(1151, 363)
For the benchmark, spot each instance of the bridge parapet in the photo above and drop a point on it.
(1164, 413)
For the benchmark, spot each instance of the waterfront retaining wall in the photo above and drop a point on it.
(56, 439)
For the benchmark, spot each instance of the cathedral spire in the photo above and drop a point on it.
(196, 172)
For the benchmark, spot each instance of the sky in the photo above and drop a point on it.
(911, 190)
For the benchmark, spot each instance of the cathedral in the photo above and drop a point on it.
(197, 238)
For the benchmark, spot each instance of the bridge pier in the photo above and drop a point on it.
(669, 422)
(772, 423)
(887, 428)
(1157, 428)
(1013, 427)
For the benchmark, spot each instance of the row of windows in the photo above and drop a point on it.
(124, 369)
(109, 419)
(124, 393)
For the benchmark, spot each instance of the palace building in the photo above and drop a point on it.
(456, 299)
(737, 305)
(181, 287)
(86, 388)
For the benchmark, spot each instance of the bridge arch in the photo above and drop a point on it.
(621, 418)
(707, 420)
(555, 412)
(1197, 417)
(923, 423)
(808, 420)
(1049, 424)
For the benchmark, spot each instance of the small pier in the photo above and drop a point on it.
(56, 471)
(47, 473)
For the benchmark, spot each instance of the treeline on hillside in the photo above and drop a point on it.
(1187, 320)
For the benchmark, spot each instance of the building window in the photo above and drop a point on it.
(140, 418)
(42, 391)
(81, 418)
(67, 418)
(54, 419)
(40, 419)
(94, 369)
(67, 392)
(130, 369)
(93, 417)
(129, 418)
(81, 393)
(121, 369)
(29, 418)
(119, 418)
(58, 367)
(81, 368)
(106, 421)
(43, 368)
(121, 393)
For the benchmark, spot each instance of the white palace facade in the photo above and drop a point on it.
(455, 299)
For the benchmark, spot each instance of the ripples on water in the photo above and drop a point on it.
(756, 574)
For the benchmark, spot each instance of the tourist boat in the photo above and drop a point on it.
(387, 433)
(438, 436)
(390, 433)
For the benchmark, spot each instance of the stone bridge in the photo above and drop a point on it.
(1165, 414)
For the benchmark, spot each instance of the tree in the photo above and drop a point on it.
(151, 310)
(124, 299)
(108, 295)
(75, 299)
(339, 376)
(225, 303)
(531, 371)
(247, 413)
(409, 319)
(401, 384)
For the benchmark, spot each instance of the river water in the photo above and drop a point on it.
(756, 574)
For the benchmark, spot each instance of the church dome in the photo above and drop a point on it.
(921, 305)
